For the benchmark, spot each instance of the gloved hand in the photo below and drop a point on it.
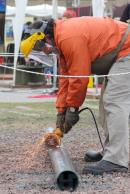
(71, 118)
(60, 120)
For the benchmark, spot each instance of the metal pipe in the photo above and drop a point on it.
(66, 177)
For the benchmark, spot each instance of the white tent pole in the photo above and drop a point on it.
(18, 29)
(76, 3)
(55, 16)
(55, 9)
(98, 8)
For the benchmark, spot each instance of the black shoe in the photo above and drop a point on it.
(93, 156)
(104, 167)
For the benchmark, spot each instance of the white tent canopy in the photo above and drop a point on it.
(37, 10)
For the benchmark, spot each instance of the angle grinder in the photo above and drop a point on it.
(53, 138)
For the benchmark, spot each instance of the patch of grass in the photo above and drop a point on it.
(37, 115)
(26, 115)
(48, 105)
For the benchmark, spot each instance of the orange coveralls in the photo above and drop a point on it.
(82, 40)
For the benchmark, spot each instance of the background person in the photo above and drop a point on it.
(69, 14)
(126, 14)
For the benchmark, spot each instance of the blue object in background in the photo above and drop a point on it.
(2, 21)
(48, 70)
(2, 5)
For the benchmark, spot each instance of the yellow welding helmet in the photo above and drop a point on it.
(28, 44)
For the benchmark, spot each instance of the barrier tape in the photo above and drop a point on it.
(55, 75)
(10, 54)
(64, 76)
(20, 54)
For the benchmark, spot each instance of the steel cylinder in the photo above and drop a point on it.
(66, 177)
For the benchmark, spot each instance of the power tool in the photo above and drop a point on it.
(53, 138)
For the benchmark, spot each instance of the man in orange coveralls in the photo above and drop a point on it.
(80, 41)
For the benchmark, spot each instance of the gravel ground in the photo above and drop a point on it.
(25, 166)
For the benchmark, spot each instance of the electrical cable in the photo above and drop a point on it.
(87, 108)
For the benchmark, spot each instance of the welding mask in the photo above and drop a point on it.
(28, 44)
(37, 39)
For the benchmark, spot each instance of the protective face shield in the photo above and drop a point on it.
(38, 40)
(28, 44)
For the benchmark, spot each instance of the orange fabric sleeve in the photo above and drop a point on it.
(78, 63)
(63, 87)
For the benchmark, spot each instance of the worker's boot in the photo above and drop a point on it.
(104, 167)
(93, 156)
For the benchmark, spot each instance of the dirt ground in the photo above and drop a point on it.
(25, 167)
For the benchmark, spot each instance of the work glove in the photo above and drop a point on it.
(71, 118)
(60, 120)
